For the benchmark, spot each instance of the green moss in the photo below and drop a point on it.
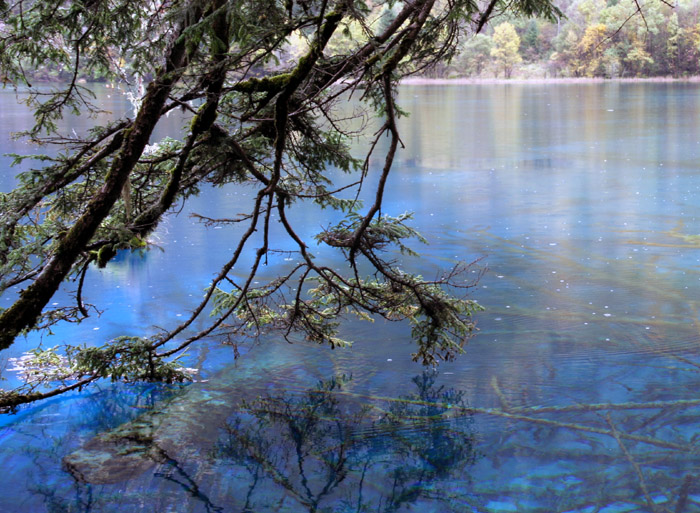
(104, 255)
(266, 84)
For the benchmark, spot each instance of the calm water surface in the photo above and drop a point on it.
(579, 393)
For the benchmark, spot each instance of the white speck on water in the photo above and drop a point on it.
(95, 329)
(389, 360)
(607, 315)
(498, 319)
(552, 243)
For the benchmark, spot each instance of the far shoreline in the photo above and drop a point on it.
(544, 81)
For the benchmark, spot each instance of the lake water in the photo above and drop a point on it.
(580, 392)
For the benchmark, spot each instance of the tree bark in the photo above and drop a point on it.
(25, 311)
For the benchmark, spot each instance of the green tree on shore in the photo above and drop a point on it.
(672, 44)
(639, 40)
(476, 54)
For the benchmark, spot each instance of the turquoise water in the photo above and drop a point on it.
(578, 394)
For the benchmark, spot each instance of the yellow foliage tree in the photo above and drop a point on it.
(506, 48)
(591, 49)
(638, 59)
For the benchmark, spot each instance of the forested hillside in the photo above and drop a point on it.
(592, 38)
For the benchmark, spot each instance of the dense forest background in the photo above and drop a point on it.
(594, 38)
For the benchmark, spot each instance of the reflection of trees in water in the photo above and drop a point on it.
(99, 411)
(320, 451)
(323, 452)
(174, 473)
(329, 449)
(71, 497)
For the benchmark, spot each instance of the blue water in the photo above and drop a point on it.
(582, 201)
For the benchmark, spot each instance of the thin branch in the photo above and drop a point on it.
(642, 482)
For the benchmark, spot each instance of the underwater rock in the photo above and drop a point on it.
(176, 430)
(115, 456)
(153, 438)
